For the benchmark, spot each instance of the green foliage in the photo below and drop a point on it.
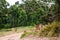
(31, 12)
(25, 14)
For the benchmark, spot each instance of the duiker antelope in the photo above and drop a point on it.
(38, 27)
(15, 29)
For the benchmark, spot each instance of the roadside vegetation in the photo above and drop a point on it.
(49, 30)
(9, 31)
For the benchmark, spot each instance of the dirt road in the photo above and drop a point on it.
(11, 37)
(17, 37)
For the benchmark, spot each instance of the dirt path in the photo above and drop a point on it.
(12, 37)
(17, 37)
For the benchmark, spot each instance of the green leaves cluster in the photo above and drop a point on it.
(30, 12)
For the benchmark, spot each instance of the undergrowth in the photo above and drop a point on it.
(49, 30)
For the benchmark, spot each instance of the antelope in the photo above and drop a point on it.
(38, 27)
(15, 29)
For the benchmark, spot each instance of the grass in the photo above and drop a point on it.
(49, 30)
(9, 31)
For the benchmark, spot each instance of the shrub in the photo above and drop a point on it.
(50, 29)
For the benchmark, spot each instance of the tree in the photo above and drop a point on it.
(58, 9)
(37, 8)
(3, 12)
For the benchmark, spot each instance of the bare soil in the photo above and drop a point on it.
(16, 36)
